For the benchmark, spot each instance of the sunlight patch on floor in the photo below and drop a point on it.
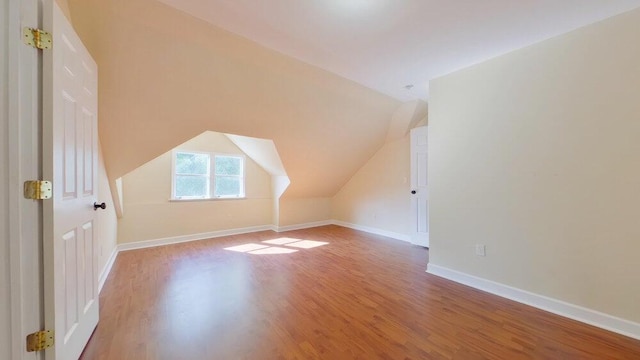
(260, 249)
(273, 250)
(281, 241)
(246, 247)
(307, 244)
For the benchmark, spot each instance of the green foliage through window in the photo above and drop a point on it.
(190, 163)
(228, 165)
(229, 176)
(192, 186)
(193, 178)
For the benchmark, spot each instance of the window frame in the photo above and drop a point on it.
(211, 176)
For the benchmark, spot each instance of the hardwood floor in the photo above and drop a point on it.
(358, 297)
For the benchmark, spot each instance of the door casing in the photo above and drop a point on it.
(23, 112)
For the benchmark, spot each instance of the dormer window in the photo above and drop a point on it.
(201, 175)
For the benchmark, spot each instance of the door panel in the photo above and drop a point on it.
(70, 160)
(69, 146)
(88, 121)
(90, 291)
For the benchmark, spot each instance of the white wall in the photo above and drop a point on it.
(537, 155)
(295, 211)
(378, 195)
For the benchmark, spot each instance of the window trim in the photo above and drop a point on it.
(211, 177)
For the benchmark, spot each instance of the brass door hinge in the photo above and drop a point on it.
(37, 38)
(40, 340)
(37, 189)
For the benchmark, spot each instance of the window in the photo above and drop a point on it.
(229, 176)
(198, 175)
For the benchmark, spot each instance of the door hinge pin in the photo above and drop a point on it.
(37, 189)
(37, 38)
(40, 340)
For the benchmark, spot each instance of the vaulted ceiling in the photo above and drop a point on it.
(322, 79)
(165, 77)
(387, 44)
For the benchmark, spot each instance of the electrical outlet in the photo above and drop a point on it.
(481, 250)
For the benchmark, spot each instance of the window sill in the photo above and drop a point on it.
(208, 199)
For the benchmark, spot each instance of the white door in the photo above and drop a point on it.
(70, 105)
(419, 190)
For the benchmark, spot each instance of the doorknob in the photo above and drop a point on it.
(97, 206)
(413, 192)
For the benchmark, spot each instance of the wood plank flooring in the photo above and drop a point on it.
(358, 297)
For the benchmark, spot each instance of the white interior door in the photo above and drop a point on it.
(419, 189)
(70, 157)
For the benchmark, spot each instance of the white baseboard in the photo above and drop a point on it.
(302, 226)
(107, 269)
(390, 234)
(575, 312)
(191, 237)
(214, 234)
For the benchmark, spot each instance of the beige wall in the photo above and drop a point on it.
(149, 215)
(166, 77)
(537, 155)
(106, 221)
(377, 196)
(295, 211)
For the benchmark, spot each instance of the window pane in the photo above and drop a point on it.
(228, 186)
(192, 186)
(227, 165)
(188, 163)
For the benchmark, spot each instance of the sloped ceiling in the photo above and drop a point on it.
(166, 77)
(387, 44)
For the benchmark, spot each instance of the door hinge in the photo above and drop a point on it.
(40, 340)
(37, 189)
(37, 38)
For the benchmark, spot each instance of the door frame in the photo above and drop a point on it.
(24, 118)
